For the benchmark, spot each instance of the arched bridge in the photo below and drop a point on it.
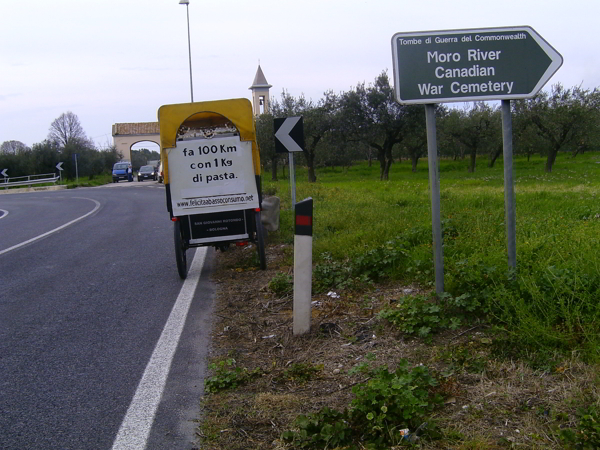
(126, 135)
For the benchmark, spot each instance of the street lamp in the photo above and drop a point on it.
(187, 4)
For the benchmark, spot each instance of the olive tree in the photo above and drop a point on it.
(372, 115)
(266, 142)
(318, 121)
(415, 134)
(476, 127)
(564, 119)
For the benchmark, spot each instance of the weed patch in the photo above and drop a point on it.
(382, 262)
(426, 315)
(282, 284)
(300, 372)
(586, 436)
(383, 409)
(227, 375)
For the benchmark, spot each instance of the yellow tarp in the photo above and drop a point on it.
(202, 114)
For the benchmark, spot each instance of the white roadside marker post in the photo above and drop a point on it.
(303, 266)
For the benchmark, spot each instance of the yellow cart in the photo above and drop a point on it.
(211, 166)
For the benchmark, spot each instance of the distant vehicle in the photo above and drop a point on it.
(119, 171)
(146, 173)
(160, 173)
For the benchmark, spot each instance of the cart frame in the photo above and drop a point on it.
(182, 123)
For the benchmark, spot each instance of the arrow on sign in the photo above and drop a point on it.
(4, 174)
(59, 166)
(289, 134)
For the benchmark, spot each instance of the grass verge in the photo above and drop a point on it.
(507, 359)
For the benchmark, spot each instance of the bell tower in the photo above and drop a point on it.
(260, 93)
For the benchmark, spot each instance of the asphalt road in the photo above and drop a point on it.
(81, 312)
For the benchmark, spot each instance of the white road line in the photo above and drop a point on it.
(135, 429)
(29, 241)
(4, 213)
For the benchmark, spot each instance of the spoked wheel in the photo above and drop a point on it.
(180, 249)
(260, 241)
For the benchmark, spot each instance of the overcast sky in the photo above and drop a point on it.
(112, 61)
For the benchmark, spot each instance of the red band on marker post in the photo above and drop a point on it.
(304, 221)
(304, 217)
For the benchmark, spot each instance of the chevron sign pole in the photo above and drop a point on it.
(289, 138)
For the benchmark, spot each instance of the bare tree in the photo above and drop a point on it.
(12, 147)
(66, 130)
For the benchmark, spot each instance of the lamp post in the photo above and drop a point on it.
(187, 4)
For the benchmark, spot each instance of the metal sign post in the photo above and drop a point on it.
(434, 186)
(292, 178)
(509, 192)
(60, 169)
(75, 155)
(289, 138)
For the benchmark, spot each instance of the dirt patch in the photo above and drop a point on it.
(489, 402)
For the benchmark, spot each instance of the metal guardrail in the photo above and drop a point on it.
(29, 180)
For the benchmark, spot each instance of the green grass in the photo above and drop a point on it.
(95, 180)
(365, 229)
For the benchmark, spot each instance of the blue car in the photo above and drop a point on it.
(119, 172)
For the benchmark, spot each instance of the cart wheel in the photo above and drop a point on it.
(180, 252)
(260, 241)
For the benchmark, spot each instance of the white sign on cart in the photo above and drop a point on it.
(212, 175)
